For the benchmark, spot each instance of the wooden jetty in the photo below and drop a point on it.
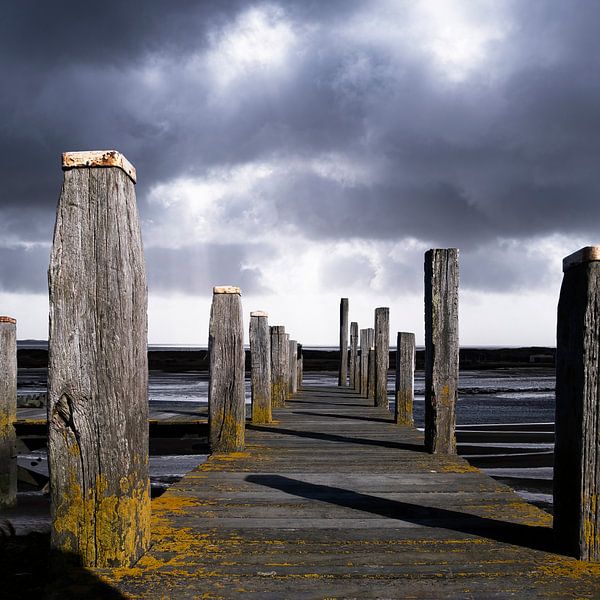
(335, 500)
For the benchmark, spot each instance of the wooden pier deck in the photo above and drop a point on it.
(333, 500)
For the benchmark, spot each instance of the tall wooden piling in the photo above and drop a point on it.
(441, 349)
(226, 395)
(382, 355)
(364, 361)
(343, 372)
(286, 362)
(300, 367)
(293, 358)
(8, 412)
(577, 446)
(278, 366)
(98, 368)
(260, 361)
(353, 352)
(371, 363)
(405, 378)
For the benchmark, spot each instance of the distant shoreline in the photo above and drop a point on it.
(327, 359)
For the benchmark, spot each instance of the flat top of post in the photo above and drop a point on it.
(98, 158)
(259, 313)
(4, 319)
(585, 255)
(227, 289)
(279, 329)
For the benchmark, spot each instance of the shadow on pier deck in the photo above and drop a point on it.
(333, 500)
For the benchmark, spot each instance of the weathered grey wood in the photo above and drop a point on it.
(300, 368)
(8, 412)
(260, 361)
(343, 372)
(364, 361)
(278, 367)
(353, 353)
(382, 355)
(405, 377)
(577, 447)
(226, 397)
(98, 371)
(441, 349)
(293, 358)
(286, 363)
(371, 363)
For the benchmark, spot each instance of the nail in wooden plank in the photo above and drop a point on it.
(382, 355)
(8, 412)
(441, 349)
(577, 446)
(260, 360)
(343, 372)
(98, 370)
(405, 377)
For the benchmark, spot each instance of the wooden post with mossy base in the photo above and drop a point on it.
(343, 371)
(260, 360)
(363, 362)
(293, 358)
(300, 366)
(98, 366)
(8, 412)
(382, 355)
(353, 353)
(405, 378)
(278, 367)
(226, 394)
(441, 349)
(577, 423)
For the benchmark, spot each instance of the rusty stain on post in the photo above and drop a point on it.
(98, 158)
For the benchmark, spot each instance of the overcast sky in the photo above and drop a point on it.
(310, 150)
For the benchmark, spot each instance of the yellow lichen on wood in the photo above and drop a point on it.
(103, 529)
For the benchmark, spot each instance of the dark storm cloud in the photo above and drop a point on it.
(509, 153)
(24, 269)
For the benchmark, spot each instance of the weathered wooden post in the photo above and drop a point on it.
(382, 355)
(8, 412)
(353, 352)
(577, 446)
(278, 367)
(371, 363)
(286, 362)
(364, 361)
(98, 366)
(293, 357)
(441, 349)
(343, 374)
(260, 360)
(226, 395)
(405, 378)
(300, 367)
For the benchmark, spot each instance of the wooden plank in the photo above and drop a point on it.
(577, 423)
(8, 411)
(98, 371)
(226, 396)
(441, 349)
(322, 515)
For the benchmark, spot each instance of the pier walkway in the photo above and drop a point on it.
(333, 500)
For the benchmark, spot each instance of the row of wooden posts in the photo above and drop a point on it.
(364, 367)
(98, 373)
(98, 369)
